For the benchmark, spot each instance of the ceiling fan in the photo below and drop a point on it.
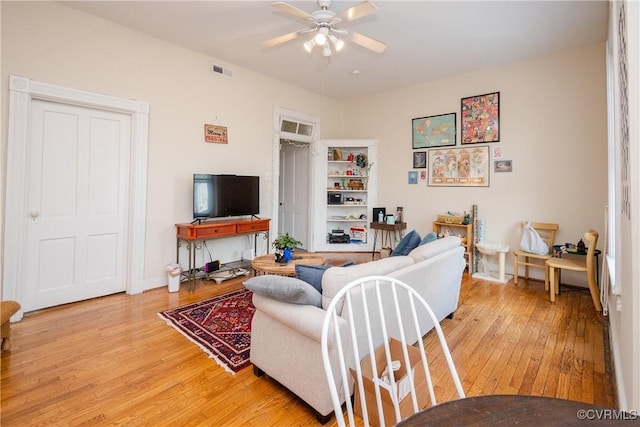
(322, 24)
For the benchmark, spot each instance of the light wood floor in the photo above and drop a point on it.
(113, 361)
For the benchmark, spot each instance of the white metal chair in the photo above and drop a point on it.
(382, 313)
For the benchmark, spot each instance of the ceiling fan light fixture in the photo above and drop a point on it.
(320, 38)
(309, 45)
(326, 51)
(337, 43)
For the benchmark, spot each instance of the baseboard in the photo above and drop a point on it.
(614, 345)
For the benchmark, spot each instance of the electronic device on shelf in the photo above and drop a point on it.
(334, 198)
(339, 236)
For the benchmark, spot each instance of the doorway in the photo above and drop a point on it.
(294, 185)
(294, 142)
(125, 118)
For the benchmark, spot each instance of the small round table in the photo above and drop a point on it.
(266, 264)
(503, 410)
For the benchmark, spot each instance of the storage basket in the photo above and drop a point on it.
(451, 219)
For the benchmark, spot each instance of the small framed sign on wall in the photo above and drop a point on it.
(215, 133)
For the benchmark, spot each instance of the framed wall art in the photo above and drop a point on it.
(434, 131)
(419, 159)
(459, 167)
(503, 166)
(215, 133)
(480, 118)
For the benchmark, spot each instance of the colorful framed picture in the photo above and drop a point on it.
(420, 160)
(480, 118)
(413, 177)
(459, 167)
(503, 166)
(434, 131)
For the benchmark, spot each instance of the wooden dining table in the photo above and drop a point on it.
(520, 410)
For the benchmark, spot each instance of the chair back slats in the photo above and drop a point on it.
(547, 232)
(378, 313)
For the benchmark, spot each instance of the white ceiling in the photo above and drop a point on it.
(426, 40)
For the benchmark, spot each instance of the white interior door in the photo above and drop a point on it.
(293, 212)
(77, 199)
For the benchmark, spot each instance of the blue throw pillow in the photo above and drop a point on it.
(312, 274)
(430, 237)
(408, 243)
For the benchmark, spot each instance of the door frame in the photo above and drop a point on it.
(280, 114)
(22, 92)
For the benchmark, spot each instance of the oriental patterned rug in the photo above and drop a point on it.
(220, 326)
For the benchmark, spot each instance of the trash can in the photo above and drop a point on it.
(173, 276)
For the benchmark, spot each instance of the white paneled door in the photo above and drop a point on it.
(77, 197)
(294, 192)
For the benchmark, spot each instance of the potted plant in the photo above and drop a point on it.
(284, 244)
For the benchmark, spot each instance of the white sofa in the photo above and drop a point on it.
(285, 338)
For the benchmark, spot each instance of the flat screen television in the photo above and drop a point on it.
(216, 196)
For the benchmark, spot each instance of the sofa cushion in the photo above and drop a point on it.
(430, 237)
(287, 289)
(434, 248)
(408, 243)
(312, 274)
(336, 278)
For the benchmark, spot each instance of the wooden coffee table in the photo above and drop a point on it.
(266, 264)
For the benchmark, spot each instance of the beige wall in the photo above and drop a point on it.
(553, 126)
(52, 43)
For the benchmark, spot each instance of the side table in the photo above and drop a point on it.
(266, 264)
(392, 231)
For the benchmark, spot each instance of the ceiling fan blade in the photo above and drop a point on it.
(283, 38)
(291, 10)
(358, 11)
(367, 42)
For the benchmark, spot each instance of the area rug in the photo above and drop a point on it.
(220, 326)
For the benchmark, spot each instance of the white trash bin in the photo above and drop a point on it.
(173, 276)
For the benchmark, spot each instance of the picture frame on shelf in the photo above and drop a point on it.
(434, 131)
(420, 160)
(376, 214)
(459, 167)
(480, 118)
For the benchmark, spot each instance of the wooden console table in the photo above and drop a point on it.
(194, 234)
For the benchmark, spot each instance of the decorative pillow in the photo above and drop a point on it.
(430, 237)
(312, 274)
(408, 243)
(287, 289)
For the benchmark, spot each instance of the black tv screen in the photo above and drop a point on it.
(216, 196)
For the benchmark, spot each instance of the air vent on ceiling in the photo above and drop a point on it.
(218, 69)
